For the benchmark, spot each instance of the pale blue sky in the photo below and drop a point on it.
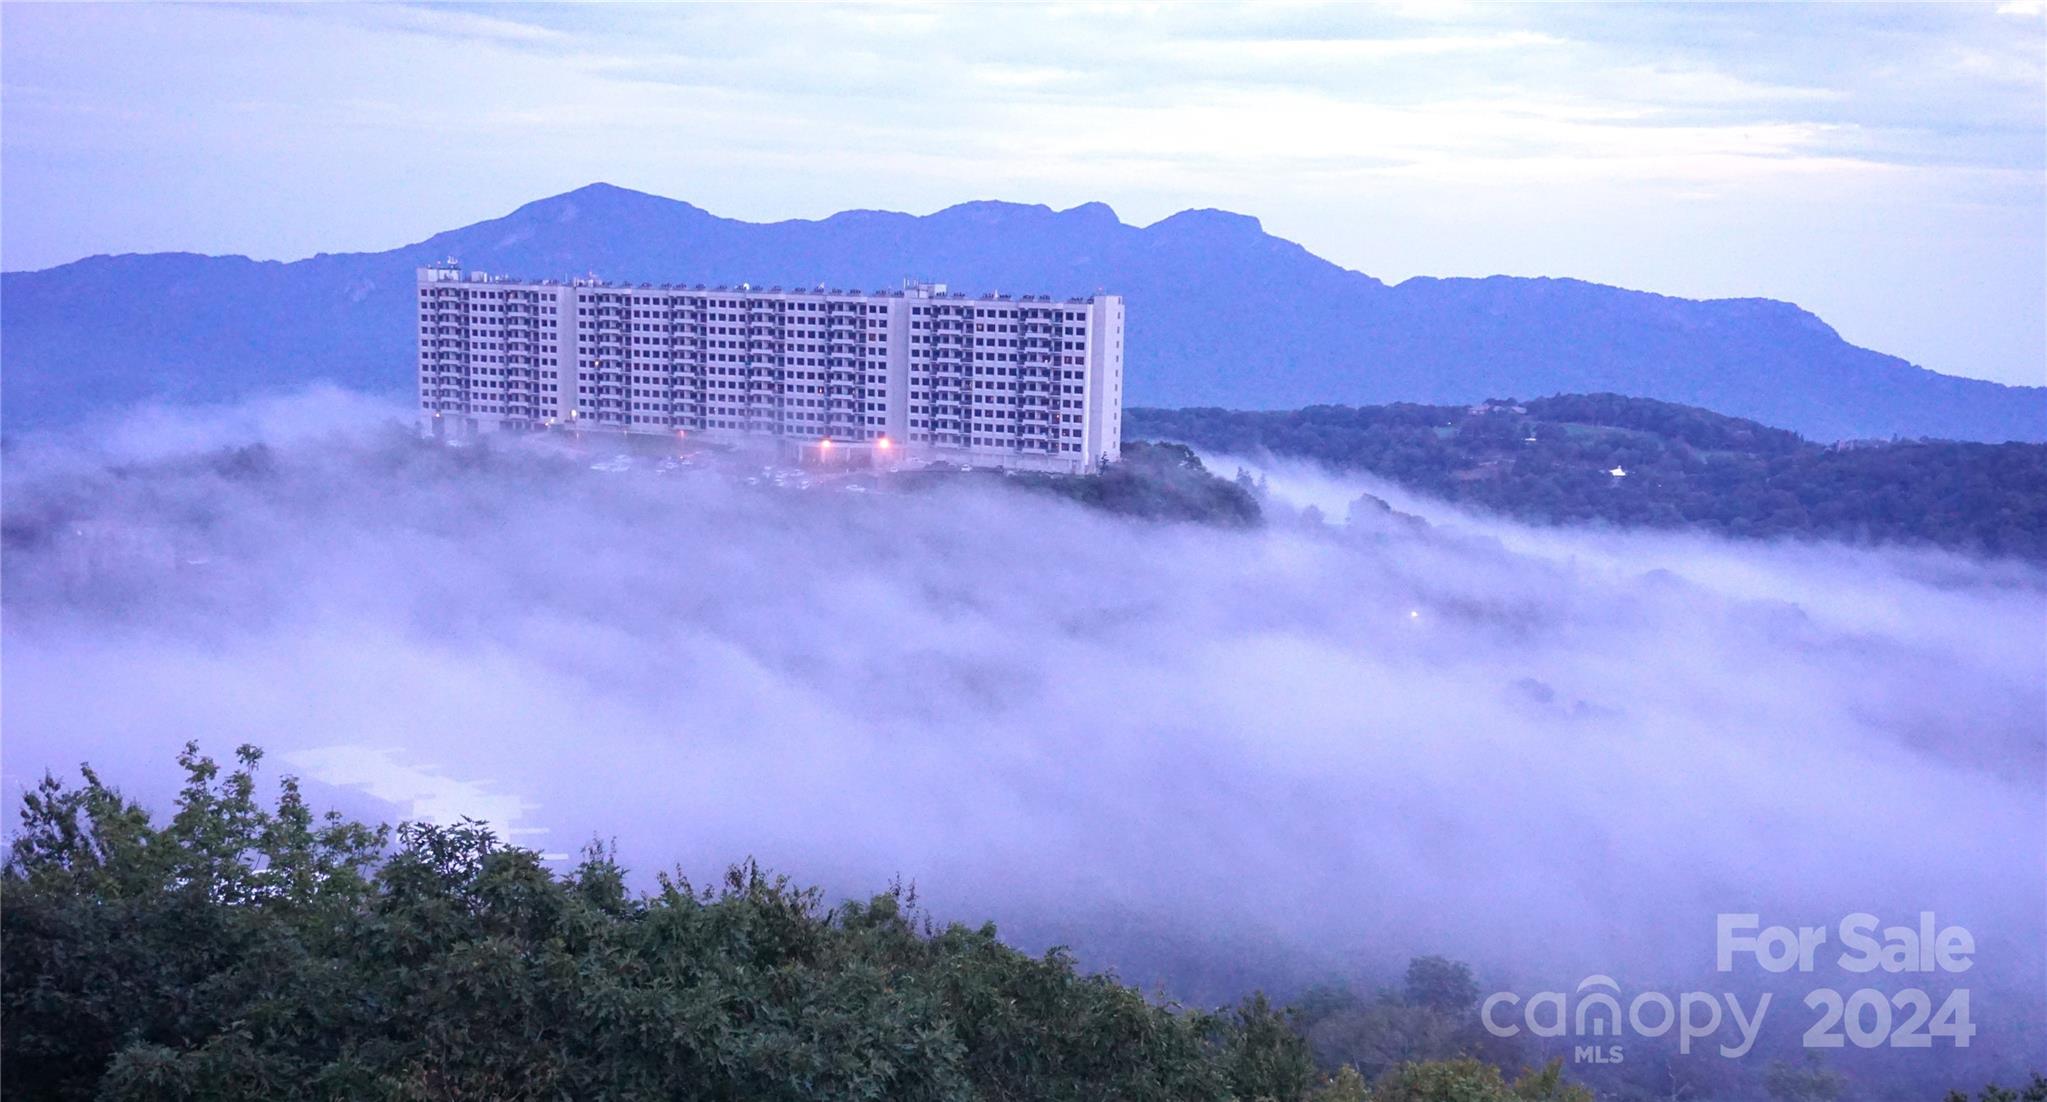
(1884, 166)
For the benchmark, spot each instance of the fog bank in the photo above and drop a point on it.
(1209, 758)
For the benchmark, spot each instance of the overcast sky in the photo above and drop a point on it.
(1884, 166)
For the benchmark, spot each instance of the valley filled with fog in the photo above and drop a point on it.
(1208, 758)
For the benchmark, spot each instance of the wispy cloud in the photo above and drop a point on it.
(461, 24)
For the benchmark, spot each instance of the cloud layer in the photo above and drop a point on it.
(1211, 758)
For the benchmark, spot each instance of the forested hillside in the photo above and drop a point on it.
(1151, 481)
(252, 950)
(1638, 462)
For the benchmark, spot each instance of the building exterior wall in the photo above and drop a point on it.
(493, 353)
(1104, 419)
(1012, 381)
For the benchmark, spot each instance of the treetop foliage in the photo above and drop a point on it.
(245, 949)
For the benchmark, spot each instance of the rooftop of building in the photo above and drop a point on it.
(911, 288)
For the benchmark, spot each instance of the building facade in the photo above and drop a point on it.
(998, 380)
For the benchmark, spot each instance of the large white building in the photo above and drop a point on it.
(1000, 380)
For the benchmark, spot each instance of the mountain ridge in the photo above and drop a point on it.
(1221, 314)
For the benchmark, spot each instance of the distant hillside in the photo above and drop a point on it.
(1221, 313)
(1554, 460)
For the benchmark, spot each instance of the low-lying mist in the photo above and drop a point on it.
(1210, 759)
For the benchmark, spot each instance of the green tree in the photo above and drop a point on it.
(1442, 985)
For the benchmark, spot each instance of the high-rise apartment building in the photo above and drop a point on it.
(1000, 380)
